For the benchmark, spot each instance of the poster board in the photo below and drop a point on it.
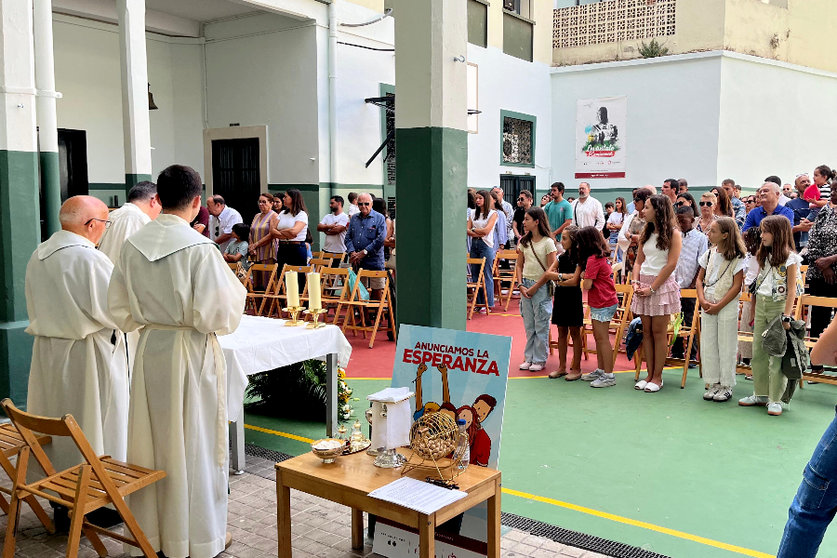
(600, 137)
(467, 374)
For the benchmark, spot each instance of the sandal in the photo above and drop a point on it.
(557, 374)
(573, 375)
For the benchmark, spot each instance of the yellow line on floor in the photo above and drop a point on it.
(577, 508)
(277, 433)
(640, 524)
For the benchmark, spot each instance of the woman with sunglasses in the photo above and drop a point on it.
(749, 203)
(685, 199)
(707, 212)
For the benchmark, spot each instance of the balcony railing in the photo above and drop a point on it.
(611, 21)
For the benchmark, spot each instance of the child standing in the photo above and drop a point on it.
(775, 291)
(536, 253)
(656, 293)
(237, 249)
(718, 287)
(597, 279)
(567, 307)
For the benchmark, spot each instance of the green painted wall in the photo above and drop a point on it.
(431, 181)
(19, 236)
(51, 182)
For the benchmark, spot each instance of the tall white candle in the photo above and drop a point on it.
(315, 299)
(292, 289)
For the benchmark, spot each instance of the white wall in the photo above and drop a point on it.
(262, 70)
(775, 119)
(673, 117)
(87, 74)
(359, 75)
(508, 83)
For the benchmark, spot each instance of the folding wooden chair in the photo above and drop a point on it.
(334, 259)
(379, 306)
(806, 301)
(335, 290)
(474, 286)
(256, 296)
(504, 277)
(97, 482)
(11, 442)
(743, 335)
(277, 295)
(623, 315)
(553, 344)
(319, 263)
(689, 332)
(316, 255)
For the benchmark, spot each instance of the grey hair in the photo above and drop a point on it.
(142, 191)
(773, 186)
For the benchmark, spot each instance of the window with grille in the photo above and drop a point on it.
(389, 164)
(613, 20)
(518, 140)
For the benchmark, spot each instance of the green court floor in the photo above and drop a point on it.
(668, 472)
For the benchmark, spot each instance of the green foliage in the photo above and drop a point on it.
(652, 49)
(297, 391)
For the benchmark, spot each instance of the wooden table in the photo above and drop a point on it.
(349, 480)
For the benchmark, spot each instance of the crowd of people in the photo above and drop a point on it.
(721, 246)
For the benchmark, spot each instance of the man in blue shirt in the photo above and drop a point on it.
(803, 221)
(769, 198)
(365, 240)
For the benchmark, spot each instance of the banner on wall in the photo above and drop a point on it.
(464, 374)
(600, 137)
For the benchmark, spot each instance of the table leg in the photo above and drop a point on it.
(494, 523)
(357, 529)
(331, 391)
(237, 442)
(283, 517)
(427, 536)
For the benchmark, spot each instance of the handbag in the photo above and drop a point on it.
(550, 285)
(362, 292)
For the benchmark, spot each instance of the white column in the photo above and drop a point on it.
(47, 116)
(17, 77)
(135, 122)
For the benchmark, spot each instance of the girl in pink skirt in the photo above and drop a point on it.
(656, 293)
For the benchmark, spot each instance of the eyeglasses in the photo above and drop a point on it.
(705, 204)
(364, 203)
(679, 204)
(105, 221)
(521, 198)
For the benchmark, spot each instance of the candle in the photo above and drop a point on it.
(292, 289)
(315, 301)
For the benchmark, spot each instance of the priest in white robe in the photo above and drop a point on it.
(173, 282)
(142, 207)
(78, 356)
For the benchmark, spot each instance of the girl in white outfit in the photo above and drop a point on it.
(718, 286)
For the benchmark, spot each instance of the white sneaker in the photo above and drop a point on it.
(710, 393)
(774, 409)
(751, 400)
(594, 375)
(536, 367)
(605, 380)
(724, 393)
(526, 366)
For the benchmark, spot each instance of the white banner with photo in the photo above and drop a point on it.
(600, 146)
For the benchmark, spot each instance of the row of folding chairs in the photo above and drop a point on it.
(344, 303)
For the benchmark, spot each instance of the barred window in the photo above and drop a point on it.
(517, 141)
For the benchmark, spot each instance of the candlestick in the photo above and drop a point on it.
(292, 288)
(315, 313)
(315, 299)
(294, 312)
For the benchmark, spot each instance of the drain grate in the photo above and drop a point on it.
(574, 538)
(264, 453)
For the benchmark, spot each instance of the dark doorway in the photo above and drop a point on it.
(512, 185)
(72, 163)
(235, 174)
